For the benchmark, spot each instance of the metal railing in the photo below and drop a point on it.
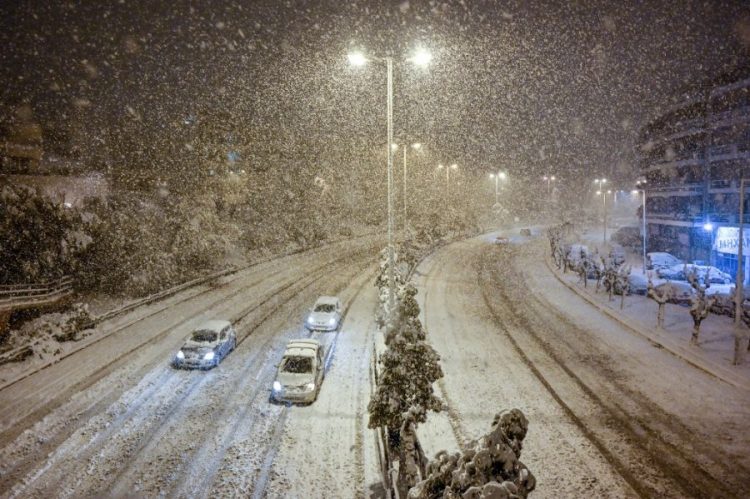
(15, 296)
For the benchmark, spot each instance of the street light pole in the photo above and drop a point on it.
(738, 288)
(391, 259)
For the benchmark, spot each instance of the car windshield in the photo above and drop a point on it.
(297, 365)
(325, 307)
(204, 335)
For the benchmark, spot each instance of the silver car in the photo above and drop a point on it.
(325, 314)
(300, 372)
(206, 346)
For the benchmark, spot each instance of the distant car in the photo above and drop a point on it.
(660, 260)
(526, 232)
(501, 240)
(325, 314)
(300, 372)
(206, 346)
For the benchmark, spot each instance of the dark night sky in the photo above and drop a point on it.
(531, 87)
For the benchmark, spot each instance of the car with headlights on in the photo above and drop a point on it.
(300, 372)
(325, 314)
(206, 346)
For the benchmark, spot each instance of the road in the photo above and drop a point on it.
(610, 415)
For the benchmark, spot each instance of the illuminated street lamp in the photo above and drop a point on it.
(421, 58)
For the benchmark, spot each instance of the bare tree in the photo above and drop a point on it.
(660, 295)
(623, 283)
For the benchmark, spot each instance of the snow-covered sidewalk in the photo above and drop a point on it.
(715, 351)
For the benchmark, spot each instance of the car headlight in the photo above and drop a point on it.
(276, 386)
(209, 356)
(181, 355)
(310, 319)
(331, 321)
(310, 387)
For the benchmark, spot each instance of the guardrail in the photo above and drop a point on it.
(18, 296)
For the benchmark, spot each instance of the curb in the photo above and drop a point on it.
(716, 370)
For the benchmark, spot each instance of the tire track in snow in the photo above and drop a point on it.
(249, 374)
(260, 482)
(613, 414)
(272, 295)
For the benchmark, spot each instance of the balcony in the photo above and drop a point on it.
(723, 152)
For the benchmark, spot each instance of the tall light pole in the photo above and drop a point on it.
(415, 146)
(498, 176)
(421, 58)
(739, 295)
(642, 190)
(448, 169)
(604, 205)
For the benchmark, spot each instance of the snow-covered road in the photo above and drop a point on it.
(610, 415)
(124, 425)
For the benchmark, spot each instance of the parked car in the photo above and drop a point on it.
(680, 272)
(325, 314)
(617, 254)
(501, 240)
(577, 252)
(637, 284)
(206, 346)
(526, 232)
(660, 260)
(300, 372)
(682, 292)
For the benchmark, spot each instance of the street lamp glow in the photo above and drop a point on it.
(598, 193)
(440, 167)
(708, 226)
(502, 175)
(421, 57)
(417, 145)
(454, 166)
(357, 59)
(552, 177)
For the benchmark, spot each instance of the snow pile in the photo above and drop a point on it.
(489, 468)
(42, 336)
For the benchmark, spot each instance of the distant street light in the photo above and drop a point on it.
(421, 58)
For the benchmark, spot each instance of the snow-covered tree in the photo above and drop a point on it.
(661, 295)
(488, 468)
(700, 304)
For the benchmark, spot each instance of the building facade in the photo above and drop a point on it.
(692, 158)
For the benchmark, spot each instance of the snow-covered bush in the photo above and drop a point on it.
(488, 468)
(410, 366)
(40, 238)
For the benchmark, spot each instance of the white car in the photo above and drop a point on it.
(206, 346)
(660, 260)
(325, 314)
(300, 372)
